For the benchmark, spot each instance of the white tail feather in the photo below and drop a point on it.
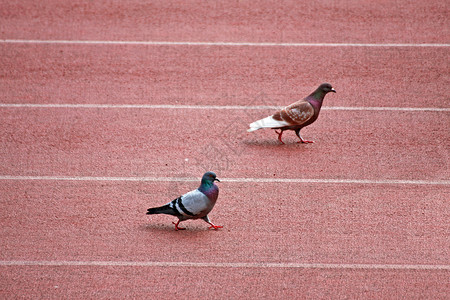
(268, 122)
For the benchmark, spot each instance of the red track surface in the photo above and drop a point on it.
(123, 142)
(204, 75)
(286, 223)
(249, 21)
(309, 223)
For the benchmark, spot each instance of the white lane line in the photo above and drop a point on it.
(42, 263)
(166, 43)
(237, 180)
(214, 107)
(337, 181)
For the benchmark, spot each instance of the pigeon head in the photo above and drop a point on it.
(209, 178)
(326, 88)
(321, 91)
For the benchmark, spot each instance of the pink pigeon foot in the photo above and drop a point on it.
(279, 135)
(214, 226)
(176, 226)
(302, 141)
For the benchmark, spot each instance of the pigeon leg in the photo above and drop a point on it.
(176, 225)
(206, 219)
(279, 135)
(297, 132)
(214, 226)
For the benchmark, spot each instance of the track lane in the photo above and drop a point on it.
(267, 223)
(139, 143)
(169, 283)
(191, 75)
(235, 21)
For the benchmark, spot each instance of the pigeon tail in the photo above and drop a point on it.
(165, 209)
(268, 122)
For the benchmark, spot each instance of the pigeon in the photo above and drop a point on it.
(297, 115)
(195, 204)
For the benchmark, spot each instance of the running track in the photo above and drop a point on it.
(94, 133)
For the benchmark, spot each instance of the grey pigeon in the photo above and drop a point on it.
(195, 204)
(297, 115)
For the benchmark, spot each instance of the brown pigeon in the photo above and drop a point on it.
(297, 115)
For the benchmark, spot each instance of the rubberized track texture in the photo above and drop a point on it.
(108, 108)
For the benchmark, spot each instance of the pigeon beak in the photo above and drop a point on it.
(333, 90)
(216, 179)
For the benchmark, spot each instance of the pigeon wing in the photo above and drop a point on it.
(194, 204)
(296, 114)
